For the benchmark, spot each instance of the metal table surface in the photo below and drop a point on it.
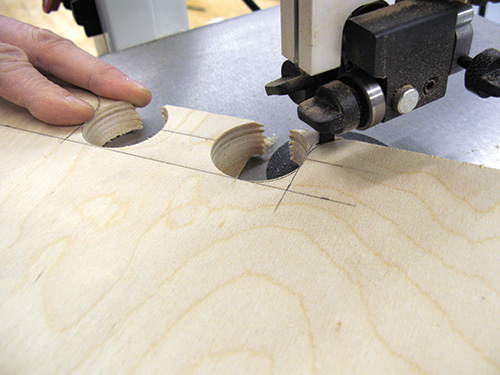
(222, 68)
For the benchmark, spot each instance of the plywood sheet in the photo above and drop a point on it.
(148, 259)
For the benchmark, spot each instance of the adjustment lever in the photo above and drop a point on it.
(482, 74)
(292, 80)
(296, 83)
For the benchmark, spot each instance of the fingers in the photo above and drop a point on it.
(22, 84)
(63, 59)
(60, 57)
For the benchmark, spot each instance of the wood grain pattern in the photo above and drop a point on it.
(147, 259)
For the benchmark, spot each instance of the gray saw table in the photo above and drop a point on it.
(222, 68)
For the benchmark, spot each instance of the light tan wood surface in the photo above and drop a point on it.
(200, 13)
(61, 22)
(148, 259)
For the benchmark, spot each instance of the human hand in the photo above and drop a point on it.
(27, 51)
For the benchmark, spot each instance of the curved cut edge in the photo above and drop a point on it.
(164, 115)
(111, 120)
(301, 144)
(232, 150)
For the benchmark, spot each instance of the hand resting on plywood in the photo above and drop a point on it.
(28, 53)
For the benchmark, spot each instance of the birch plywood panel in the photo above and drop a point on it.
(148, 259)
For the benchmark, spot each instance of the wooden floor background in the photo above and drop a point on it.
(200, 13)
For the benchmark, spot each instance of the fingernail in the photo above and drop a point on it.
(138, 85)
(76, 101)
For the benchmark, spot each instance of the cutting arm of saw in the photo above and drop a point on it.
(354, 64)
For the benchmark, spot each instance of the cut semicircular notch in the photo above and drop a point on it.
(111, 120)
(235, 149)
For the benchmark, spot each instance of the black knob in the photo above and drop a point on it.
(483, 73)
(293, 82)
(334, 109)
(86, 15)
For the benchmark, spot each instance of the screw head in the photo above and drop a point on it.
(406, 99)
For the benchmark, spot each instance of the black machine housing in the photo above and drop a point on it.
(395, 59)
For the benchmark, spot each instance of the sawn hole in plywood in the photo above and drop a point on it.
(111, 120)
(230, 152)
(234, 148)
(237, 152)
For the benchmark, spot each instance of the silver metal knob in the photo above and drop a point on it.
(406, 99)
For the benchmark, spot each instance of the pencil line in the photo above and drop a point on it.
(322, 198)
(188, 135)
(285, 190)
(73, 132)
(339, 166)
(31, 131)
(154, 160)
